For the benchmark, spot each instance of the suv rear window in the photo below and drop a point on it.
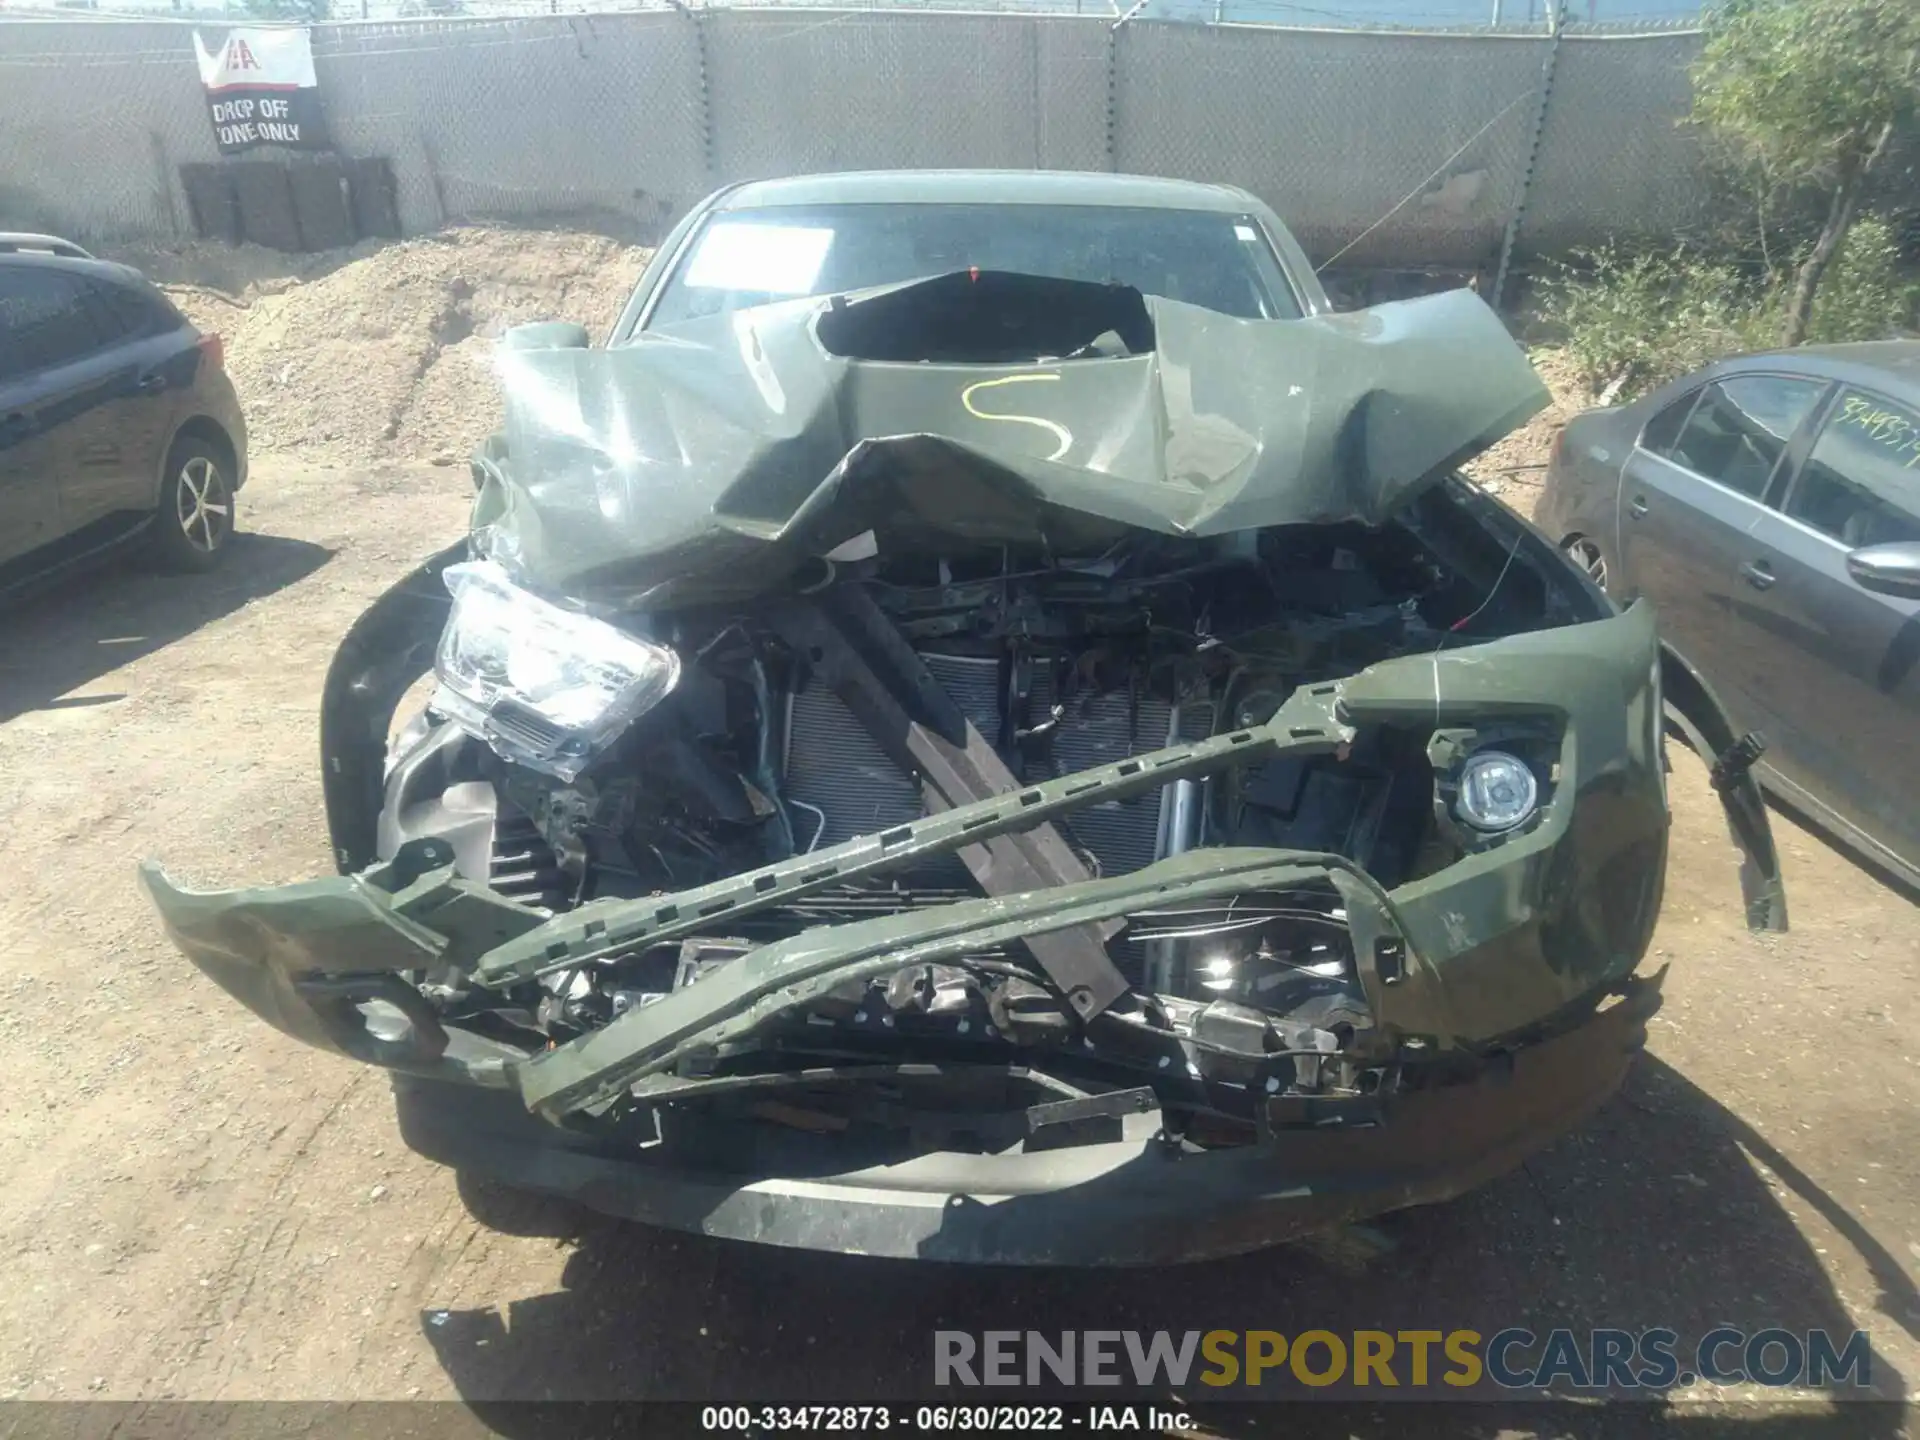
(131, 312)
(46, 319)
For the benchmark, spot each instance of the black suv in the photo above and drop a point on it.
(117, 419)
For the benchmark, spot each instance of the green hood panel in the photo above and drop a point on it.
(716, 459)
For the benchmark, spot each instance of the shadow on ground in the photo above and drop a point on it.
(69, 635)
(1651, 1216)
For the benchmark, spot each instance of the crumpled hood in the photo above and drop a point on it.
(713, 460)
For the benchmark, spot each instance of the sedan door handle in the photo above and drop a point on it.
(1637, 507)
(151, 383)
(1758, 574)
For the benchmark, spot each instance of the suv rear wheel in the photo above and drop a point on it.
(196, 507)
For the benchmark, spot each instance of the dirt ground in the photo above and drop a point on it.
(199, 1208)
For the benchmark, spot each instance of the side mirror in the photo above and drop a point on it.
(546, 335)
(1887, 569)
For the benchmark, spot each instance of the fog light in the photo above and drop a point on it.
(1497, 791)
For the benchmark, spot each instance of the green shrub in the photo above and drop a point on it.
(1865, 296)
(1635, 321)
(1632, 321)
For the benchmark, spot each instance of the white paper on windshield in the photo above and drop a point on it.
(771, 259)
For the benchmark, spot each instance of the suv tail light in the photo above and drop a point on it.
(215, 351)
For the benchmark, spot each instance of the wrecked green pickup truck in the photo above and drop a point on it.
(1041, 764)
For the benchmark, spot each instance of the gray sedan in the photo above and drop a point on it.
(1769, 506)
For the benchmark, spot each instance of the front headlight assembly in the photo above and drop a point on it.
(1497, 792)
(1493, 782)
(543, 686)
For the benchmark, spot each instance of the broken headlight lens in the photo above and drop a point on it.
(541, 685)
(1497, 791)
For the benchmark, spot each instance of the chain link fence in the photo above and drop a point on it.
(1615, 132)
(1381, 149)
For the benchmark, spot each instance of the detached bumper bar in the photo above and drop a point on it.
(1132, 1202)
(1139, 1200)
(1486, 948)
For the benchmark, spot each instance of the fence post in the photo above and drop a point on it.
(697, 18)
(1113, 96)
(1113, 81)
(1556, 26)
(164, 176)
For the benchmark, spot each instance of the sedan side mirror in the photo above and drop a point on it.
(1887, 569)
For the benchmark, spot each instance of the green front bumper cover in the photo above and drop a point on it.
(1497, 942)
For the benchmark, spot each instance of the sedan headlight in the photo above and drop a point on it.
(543, 686)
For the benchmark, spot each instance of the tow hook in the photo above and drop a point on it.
(1730, 767)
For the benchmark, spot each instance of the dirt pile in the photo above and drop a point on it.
(382, 351)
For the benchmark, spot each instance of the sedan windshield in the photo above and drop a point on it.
(743, 258)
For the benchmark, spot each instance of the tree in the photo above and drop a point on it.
(1811, 92)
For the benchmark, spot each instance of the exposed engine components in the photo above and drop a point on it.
(904, 686)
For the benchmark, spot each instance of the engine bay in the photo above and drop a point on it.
(887, 688)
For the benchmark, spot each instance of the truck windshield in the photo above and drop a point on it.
(743, 258)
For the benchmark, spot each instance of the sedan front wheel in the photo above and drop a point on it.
(1589, 557)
